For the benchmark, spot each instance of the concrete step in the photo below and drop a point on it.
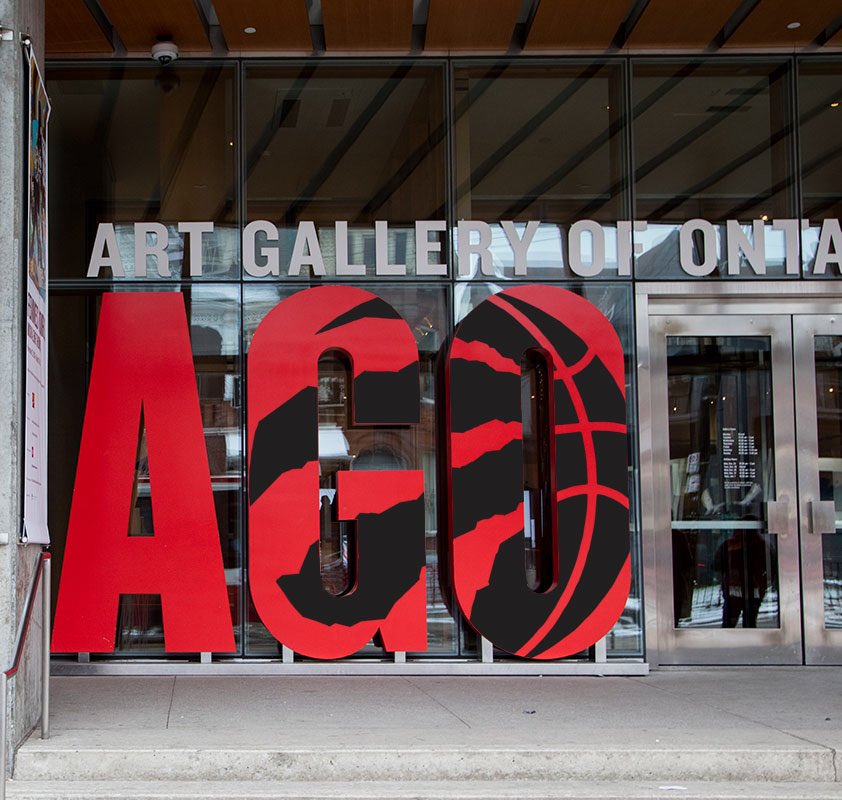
(418, 790)
(61, 759)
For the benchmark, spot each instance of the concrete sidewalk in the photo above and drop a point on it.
(735, 727)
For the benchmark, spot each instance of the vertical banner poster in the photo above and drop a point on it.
(35, 362)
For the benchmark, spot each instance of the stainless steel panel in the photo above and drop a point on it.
(649, 542)
(822, 516)
(778, 515)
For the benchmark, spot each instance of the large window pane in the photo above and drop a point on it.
(820, 132)
(541, 143)
(712, 140)
(141, 143)
(326, 143)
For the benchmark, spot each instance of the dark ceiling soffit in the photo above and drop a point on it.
(101, 19)
(213, 30)
(628, 24)
(732, 23)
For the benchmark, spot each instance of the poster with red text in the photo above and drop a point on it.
(35, 361)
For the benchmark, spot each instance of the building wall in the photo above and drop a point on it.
(16, 562)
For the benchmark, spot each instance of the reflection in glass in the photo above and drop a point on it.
(820, 131)
(712, 140)
(325, 144)
(722, 471)
(543, 143)
(136, 143)
(828, 351)
(539, 553)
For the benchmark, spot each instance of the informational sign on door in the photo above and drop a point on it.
(34, 529)
(739, 459)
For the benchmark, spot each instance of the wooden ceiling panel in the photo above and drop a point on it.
(576, 24)
(280, 24)
(694, 26)
(471, 25)
(70, 28)
(140, 24)
(367, 24)
(766, 25)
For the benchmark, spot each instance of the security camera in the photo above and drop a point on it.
(164, 53)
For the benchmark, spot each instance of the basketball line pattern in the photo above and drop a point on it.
(591, 540)
(565, 374)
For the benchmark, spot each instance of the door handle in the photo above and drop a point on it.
(822, 516)
(777, 516)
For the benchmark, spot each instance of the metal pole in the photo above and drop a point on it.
(4, 684)
(46, 593)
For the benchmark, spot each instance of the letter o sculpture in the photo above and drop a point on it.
(587, 416)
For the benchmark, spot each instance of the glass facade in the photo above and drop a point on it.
(560, 155)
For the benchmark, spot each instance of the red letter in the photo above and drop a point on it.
(387, 506)
(143, 367)
(587, 413)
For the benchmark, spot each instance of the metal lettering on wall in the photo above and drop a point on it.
(584, 249)
(142, 373)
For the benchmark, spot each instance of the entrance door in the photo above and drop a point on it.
(747, 487)
(818, 374)
(725, 496)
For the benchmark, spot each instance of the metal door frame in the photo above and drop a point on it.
(729, 307)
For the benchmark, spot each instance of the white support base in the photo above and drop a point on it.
(419, 667)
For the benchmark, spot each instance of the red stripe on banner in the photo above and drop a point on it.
(485, 354)
(474, 553)
(591, 427)
(376, 491)
(486, 438)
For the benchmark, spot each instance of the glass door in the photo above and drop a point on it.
(818, 384)
(725, 490)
